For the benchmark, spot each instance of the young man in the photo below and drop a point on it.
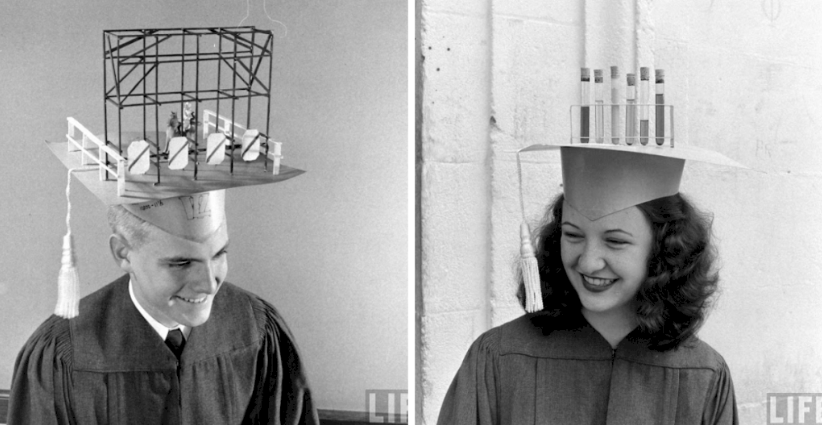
(170, 342)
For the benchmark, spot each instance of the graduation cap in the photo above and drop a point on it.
(188, 202)
(603, 178)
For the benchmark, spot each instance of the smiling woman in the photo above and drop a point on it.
(657, 256)
(624, 278)
(605, 261)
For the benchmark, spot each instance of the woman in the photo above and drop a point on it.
(624, 290)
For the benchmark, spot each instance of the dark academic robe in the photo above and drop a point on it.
(109, 366)
(530, 372)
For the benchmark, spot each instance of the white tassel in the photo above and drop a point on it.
(68, 283)
(530, 272)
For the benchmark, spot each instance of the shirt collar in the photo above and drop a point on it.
(157, 326)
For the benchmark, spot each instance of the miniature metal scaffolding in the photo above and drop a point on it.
(133, 58)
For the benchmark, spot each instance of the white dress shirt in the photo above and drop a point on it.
(161, 330)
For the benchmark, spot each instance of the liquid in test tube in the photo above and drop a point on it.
(616, 99)
(599, 109)
(630, 110)
(644, 111)
(585, 101)
(660, 109)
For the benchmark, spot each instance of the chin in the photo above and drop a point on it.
(194, 319)
(193, 322)
(597, 304)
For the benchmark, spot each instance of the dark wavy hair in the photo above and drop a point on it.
(672, 302)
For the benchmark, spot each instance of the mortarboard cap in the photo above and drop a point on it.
(188, 202)
(180, 204)
(601, 179)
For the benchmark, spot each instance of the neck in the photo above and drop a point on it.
(614, 326)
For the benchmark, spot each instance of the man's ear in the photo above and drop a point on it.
(120, 250)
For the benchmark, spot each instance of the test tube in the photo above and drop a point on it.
(616, 99)
(643, 105)
(660, 109)
(599, 109)
(585, 101)
(630, 110)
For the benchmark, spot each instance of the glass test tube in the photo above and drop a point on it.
(599, 109)
(643, 105)
(616, 99)
(660, 109)
(585, 101)
(630, 110)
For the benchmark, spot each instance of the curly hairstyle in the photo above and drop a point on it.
(672, 302)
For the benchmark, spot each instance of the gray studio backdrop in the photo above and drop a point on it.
(328, 249)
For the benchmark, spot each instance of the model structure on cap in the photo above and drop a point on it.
(185, 111)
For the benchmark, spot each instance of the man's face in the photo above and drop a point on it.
(175, 279)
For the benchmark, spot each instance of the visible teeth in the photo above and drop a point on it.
(193, 301)
(598, 282)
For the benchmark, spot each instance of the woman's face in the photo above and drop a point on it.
(606, 260)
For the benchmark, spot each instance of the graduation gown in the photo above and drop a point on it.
(108, 366)
(530, 371)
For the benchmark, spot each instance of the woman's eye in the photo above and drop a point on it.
(571, 235)
(617, 242)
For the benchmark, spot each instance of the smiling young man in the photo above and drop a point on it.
(170, 342)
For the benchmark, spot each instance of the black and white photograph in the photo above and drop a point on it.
(231, 243)
(618, 212)
(429, 212)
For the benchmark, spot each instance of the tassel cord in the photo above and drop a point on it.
(68, 281)
(529, 267)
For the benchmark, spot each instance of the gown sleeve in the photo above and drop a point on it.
(40, 388)
(282, 394)
(720, 405)
(472, 397)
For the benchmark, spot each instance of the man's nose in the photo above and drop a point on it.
(208, 279)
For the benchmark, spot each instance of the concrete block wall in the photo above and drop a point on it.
(742, 78)
(455, 195)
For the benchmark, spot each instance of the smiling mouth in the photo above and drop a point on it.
(192, 300)
(597, 282)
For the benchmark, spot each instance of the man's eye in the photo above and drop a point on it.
(180, 265)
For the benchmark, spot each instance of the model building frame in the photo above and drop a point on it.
(180, 102)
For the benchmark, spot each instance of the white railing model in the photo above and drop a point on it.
(87, 144)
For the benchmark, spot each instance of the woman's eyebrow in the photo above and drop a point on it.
(620, 231)
(570, 224)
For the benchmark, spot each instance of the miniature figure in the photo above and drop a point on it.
(172, 130)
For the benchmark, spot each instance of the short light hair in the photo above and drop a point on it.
(133, 229)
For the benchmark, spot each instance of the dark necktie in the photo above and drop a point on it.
(176, 342)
